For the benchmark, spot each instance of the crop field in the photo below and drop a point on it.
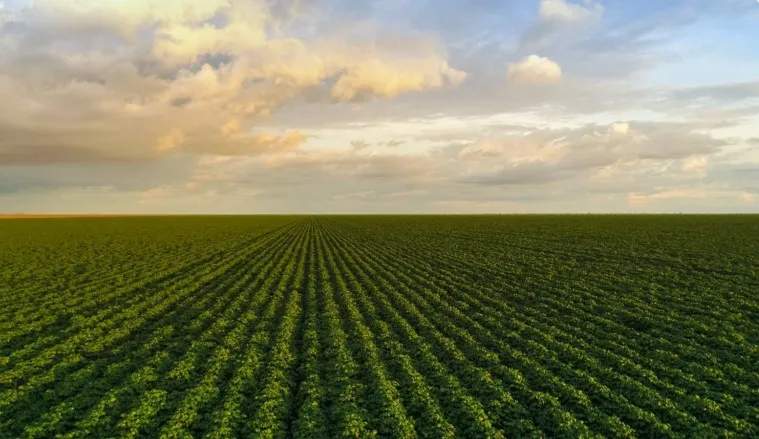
(384, 326)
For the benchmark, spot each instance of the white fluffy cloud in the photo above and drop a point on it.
(562, 18)
(562, 11)
(534, 70)
(139, 79)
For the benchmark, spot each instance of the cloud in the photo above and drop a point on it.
(143, 79)
(696, 165)
(359, 145)
(205, 100)
(470, 206)
(382, 167)
(562, 17)
(587, 168)
(731, 93)
(749, 197)
(171, 141)
(250, 143)
(354, 195)
(194, 190)
(534, 70)
(380, 78)
(619, 128)
(408, 193)
(544, 155)
(560, 11)
(482, 148)
(6, 14)
(669, 194)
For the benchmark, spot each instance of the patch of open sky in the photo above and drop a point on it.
(714, 51)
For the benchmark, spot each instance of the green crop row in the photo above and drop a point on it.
(393, 326)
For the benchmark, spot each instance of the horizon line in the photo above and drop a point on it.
(148, 215)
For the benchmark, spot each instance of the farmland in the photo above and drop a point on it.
(391, 326)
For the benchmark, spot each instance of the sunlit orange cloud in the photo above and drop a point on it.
(184, 76)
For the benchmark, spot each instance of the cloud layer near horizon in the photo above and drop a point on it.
(368, 106)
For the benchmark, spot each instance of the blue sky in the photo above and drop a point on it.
(261, 106)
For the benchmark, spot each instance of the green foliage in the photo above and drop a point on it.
(361, 327)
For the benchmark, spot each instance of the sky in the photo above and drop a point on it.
(369, 106)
